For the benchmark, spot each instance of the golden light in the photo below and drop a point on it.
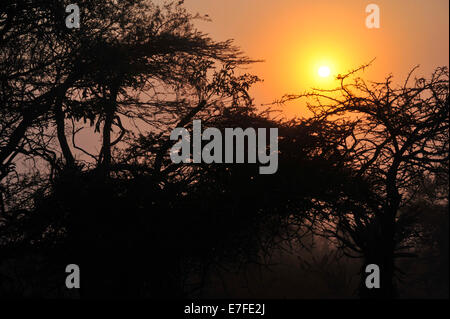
(324, 71)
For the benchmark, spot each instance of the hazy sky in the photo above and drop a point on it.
(296, 37)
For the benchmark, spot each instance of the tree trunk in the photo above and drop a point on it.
(61, 134)
(110, 111)
(381, 251)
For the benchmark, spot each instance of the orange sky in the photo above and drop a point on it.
(295, 37)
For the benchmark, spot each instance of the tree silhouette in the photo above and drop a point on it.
(396, 137)
(131, 61)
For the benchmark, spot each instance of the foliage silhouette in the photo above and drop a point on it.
(397, 139)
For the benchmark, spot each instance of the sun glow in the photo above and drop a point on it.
(324, 71)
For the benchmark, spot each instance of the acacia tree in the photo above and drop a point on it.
(135, 60)
(132, 72)
(397, 137)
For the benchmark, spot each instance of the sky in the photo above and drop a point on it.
(296, 37)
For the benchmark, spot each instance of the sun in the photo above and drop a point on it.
(324, 71)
